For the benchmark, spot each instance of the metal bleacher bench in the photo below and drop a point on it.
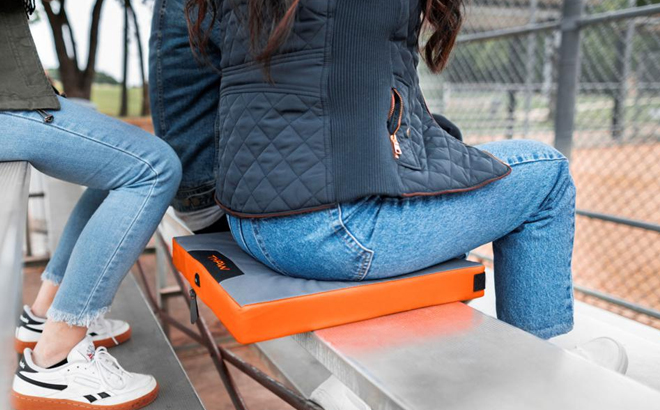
(450, 356)
(148, 351)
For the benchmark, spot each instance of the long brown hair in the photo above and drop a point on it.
(442, 19)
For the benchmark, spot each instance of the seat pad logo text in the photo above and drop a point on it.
(219, 262)
(216, 264)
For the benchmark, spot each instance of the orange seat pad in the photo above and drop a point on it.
(255, 322)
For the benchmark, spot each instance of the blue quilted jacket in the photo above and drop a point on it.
(344, 117)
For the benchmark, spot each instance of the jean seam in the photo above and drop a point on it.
(237, 233)
(532, 160)
(554, 327)
(239, 224)
(121, 242)
(365, 253)
(199, 188)
(159, 68)
(262, 248)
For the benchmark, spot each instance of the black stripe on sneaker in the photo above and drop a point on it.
(104, 395)
(93, 334)
(59, 387)
(25, 318)
(24, 367)
(62, 363)
(32, 329)
(91, 398)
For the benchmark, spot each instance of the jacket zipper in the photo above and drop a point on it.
(393, 127)
(48, 118)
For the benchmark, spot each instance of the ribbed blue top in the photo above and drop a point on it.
(361, 32)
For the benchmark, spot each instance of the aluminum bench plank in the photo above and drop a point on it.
(455, 357)
(148, 351)
(14, 184)
(294, 363)
(642, 343)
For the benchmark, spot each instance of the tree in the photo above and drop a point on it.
(131, 18)
(76, 80)
(123, 110)
(146, 108)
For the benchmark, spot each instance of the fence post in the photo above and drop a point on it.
(568, 75)
(623, 66)
(530, 65)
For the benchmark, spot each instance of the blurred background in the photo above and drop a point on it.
(509, 77)
(97, 50)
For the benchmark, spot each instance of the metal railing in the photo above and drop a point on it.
(584, 76)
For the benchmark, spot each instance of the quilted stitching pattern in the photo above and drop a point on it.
(272, 152)
(448, 164)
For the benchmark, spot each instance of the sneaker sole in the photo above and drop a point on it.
(20, 346)
(22, 402)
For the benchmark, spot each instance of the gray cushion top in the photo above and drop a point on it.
(261, 284)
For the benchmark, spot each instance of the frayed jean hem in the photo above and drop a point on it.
(51, 277)
(553, 331)
(76, 319)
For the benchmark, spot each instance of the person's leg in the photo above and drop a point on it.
(90, 200)
(141, 174)
(184, 99)
(103, 331)
(44, 298)
(529, 215)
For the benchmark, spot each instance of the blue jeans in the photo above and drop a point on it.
(131, 177)
(529, 217)
(184, 101)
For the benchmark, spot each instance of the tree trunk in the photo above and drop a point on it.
(123, 111)
(76, 82)
(146, 109)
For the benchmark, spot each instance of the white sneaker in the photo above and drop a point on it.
(334, 395)
(605, 352)
(87, 379)
(104, 332)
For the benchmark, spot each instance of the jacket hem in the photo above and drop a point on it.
(273, 214)
(37, 103)
(331, 205)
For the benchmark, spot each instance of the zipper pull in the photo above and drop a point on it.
(48, 118)
(394, 122)
(194, 309)
(396, 148)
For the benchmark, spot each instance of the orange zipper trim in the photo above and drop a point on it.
(396, 148)
(398, 125)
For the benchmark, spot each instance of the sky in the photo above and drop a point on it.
(109, 58)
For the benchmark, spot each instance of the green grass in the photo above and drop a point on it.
(107, 99)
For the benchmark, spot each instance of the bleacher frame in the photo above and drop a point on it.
(219, 355)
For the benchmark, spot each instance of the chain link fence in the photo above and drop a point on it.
(512, 75)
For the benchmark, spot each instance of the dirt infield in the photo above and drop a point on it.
(620, 260)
